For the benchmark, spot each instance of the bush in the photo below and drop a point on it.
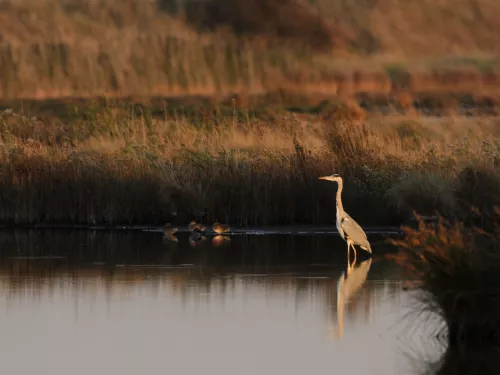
(457, 270)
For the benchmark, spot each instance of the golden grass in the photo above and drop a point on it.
(74, 48)
(394, 28)
(119, 164)
(83, 48)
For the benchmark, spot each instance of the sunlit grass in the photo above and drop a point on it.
(116, 164)
(82, 48)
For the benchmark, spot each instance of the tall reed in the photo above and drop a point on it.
(125, 164)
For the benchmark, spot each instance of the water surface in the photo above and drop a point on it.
(81, 302)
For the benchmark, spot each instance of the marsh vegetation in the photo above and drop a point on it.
(115, 163)
(140, 114)
(456, 268)
(240, 155)
(75, 48)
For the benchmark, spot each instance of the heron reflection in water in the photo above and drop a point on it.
(348, 286)
(348, 229)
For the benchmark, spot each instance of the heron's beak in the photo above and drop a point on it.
(325, 178)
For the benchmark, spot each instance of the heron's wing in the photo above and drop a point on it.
(353, 230)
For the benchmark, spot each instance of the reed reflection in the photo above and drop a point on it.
(435, 357)
(114, 263)
(469, 361)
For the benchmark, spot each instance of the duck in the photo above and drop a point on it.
(220, 228)
(195, 227)
(169, 230)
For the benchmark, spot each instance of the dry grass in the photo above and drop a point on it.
(120, 164)
(86, 48)
(68, 48)
(457, 269)
(392, 28)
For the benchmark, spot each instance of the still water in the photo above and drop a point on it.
(96, 302)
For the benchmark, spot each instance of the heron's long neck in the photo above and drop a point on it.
(340, 208)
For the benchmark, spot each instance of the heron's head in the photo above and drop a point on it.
(332, 177)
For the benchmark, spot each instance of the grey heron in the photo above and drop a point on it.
(220, 228)
(348, 229)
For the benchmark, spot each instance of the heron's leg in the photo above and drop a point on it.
(348, 258)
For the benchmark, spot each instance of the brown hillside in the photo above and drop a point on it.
(288, 19)
(394, 27)
(53, 48)
(415, 28)
(409, 28)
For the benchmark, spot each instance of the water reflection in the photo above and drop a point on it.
(220, 240)
(170, 237)
(348, 286)
(471, 361)
(263, 301)
(434, 357)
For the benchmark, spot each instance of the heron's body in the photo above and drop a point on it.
(351, 231)
(348, 229)
(220, 228)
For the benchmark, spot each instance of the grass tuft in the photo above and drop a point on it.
(456, 267)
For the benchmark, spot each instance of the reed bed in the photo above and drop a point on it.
(456, 267)
(116, 164)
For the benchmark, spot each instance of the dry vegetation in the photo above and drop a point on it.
(245, 163)
(88, 48)
(122, 164)
(457, 269)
